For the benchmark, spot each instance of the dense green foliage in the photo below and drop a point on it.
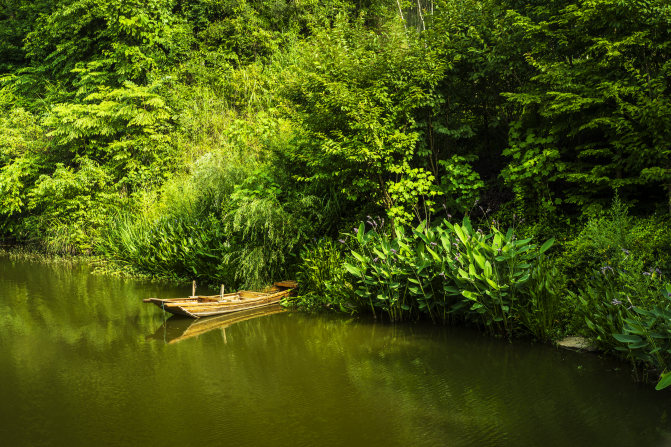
(235, 141)
(452, 271)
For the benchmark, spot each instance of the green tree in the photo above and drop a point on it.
(17, 18)
(356, 91)
(597, 115)
(484, 59)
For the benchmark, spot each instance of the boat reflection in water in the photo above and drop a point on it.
(178, 328)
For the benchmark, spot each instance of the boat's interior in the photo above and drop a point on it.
(239, 296)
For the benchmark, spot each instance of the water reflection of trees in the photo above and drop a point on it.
(69, 304)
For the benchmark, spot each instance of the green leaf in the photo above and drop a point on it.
(379, 254)
(497, 243)
(360, 232)
(479, 259)
(434, 255)
(359, 257)
(467, 225)
(488, 269)
(657, 335)
(353, 270)
(460, 233)
(647, 313)
(664, 381)
(509, 234)
(590, 325)
(634, 327)
(639, 345)
(470, 295)
(627, 338)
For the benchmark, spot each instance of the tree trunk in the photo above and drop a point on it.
(421, 17)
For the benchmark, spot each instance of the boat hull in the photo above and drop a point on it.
(206, 306)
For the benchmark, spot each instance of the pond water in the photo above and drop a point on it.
(84, 362)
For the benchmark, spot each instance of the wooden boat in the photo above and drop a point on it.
(178, 328)
(206, 306)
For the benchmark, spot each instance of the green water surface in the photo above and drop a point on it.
(83, 362)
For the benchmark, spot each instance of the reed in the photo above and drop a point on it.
(322, 279)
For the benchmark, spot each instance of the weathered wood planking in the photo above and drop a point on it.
(205, 306)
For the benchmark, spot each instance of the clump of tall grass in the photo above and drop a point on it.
(37, 255)
(249, 246)
(323, 278)
(224, 222)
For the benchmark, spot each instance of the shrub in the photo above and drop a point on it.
(620, 241)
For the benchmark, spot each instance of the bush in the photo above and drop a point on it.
(618, 241)
(249, 246)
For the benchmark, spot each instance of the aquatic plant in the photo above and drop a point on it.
(541, 309)
(321, 276)
(446, 272)
(616, 322)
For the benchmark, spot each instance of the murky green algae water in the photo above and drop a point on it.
(84, 362)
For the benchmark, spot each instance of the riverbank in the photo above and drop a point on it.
(501, 282)
(506, 282)
(242, 143)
